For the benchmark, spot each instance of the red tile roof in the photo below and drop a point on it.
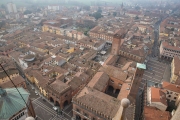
(152, 113)
(158, 96)
(171, 87)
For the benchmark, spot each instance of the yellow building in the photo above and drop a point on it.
(175, 69)
(40, 78)
(30, 78)
(55, 30)
(41, 87)
(45, 28)
(11, 73)
(71, 50)
(164, 34)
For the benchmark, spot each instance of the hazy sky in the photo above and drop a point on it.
(88, 2)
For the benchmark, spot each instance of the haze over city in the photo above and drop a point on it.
(89, 60)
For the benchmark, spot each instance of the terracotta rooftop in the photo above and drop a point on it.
(99, 81)
(152, 113)
(171, 87)
(115, 72)
(17, 80)
(98, 101)
(111, 60)
(124, 92)
(59, 86)
(9, 72)
(166, 45)
(158, 96)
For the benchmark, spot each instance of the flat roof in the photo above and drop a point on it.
(141, 66)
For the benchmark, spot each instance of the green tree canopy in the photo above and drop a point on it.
(114, 13)
(136, 18)
(137, 8)
(97, 15)
(2, 23)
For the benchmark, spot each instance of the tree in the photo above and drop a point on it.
(27, 12)
(97, 15)
(99, 10)
(2, 23)
(86, 33)
(42, 21)
(137, 8)
(114, 13)
(136, 18)
(89, 24)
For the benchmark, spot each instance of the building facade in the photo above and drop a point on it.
(11, 8)
(175, 69)
(168, 51)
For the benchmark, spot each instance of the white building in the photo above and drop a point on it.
(53, 7)
(11, 8)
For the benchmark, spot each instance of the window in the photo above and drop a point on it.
(94, 118)
(85, 114)
(175, 98)
(77, 110)
(169, 95)
(22, 113)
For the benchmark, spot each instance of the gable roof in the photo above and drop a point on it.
(158, 96)
(99, 81)
(171, 87)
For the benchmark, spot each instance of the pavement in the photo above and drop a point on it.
(31, 90)
(44, 111)
(156, 72)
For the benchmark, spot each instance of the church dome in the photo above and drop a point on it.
(125, 102)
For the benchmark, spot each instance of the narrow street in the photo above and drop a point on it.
(154, 54)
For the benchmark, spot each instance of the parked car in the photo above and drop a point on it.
(54, 108)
